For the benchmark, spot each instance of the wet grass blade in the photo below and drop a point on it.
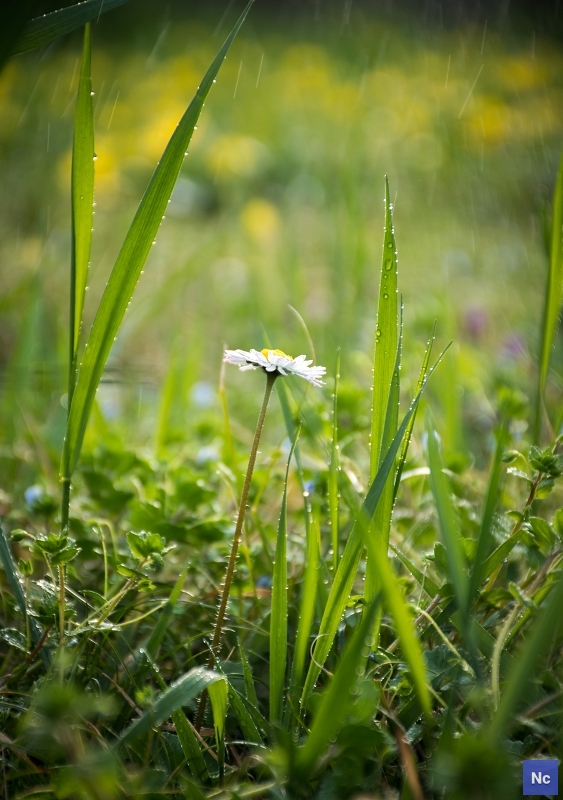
(381, 525)
(130, 261)
(335, 699)
(43, 30)
(247, 725)
(448, 524)
(186, 734)
(348, 566)
(552, 302)
(82, 195)
(548, 625)
(278, 615)
(307, 607)
(333, 469)
(177, 695)
(408, 435)
(386, 338)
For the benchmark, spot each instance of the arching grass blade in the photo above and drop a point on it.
(130, 261)
(176, 696)
(43, 30)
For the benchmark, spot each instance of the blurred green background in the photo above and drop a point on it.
(280, 202)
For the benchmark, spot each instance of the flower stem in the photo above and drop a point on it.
(270, 379)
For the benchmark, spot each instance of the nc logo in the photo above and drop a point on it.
(540, 777)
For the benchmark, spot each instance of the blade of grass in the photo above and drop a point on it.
(381, 525)
(177, 695)
(307, 609)
(408, 434)
(82, 203)
(485, 534)
(82, 191)
(514, 692)
(347, 568)
(386, 338)
(333, 469)
(431, 588)
(335, 699)
(218, 695)
(397, 606)
(186, 734)
(247, 725)
(13, 578)
(552, 301)
(248, 679)
(43, 30)
(385, 392)
(159, 630)
(278, 615)
(130, 261)
(448, 525)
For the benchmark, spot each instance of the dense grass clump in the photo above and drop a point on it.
(345, 605)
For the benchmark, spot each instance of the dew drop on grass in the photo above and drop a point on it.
(390, 245)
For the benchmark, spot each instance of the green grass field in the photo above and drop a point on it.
(389, 623)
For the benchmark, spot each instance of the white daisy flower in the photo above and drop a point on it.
(276, 361)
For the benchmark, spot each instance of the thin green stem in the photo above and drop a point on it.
(61, 605)
(270, 380)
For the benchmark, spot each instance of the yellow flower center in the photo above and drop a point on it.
(265, 352)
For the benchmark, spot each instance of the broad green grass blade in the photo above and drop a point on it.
(553, 294)
(14, 581)
(43, 30)
(485, 534)
(408, 434)
(218, 694)
(130, 261)
(448, 523)
(514, 693)
(278, 615)
(348, 566)
(333, 469)
(307, 607)
(177, 695)
(386, 337)
(335, 699)
(82, 192)
(397, 606)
